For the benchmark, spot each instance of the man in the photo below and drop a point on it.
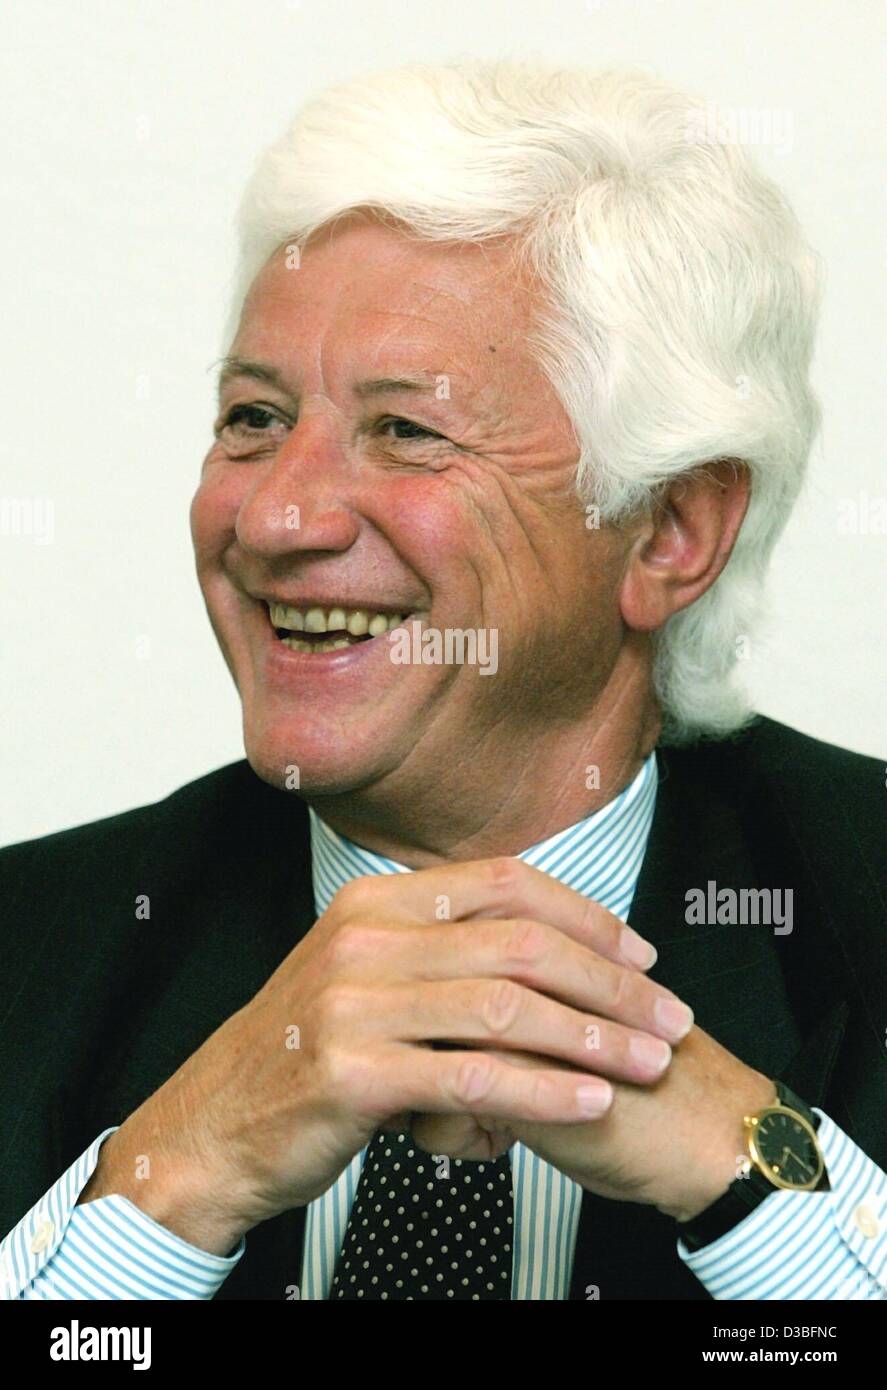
(514, 411)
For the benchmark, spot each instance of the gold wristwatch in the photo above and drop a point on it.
(783, 1153)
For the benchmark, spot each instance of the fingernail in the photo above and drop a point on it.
(674, 1018)
(653, 1054)
(636, 950)
(594, 1099)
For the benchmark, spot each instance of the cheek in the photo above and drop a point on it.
(214, 510)
(587, 578)
(431, 525)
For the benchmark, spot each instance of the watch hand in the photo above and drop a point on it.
(803, 1162)
(804, 1165)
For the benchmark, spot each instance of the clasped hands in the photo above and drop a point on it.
(477, 1004)
(667, 1129)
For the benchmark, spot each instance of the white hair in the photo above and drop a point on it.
(680, 297)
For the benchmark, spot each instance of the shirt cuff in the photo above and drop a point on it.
(106, 1249)
(807, 1245)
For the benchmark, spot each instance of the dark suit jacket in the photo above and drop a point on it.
(98, 1008)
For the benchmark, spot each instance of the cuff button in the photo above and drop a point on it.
(866, 1221)
(43, 1233)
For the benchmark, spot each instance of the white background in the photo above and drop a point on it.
(130, 129)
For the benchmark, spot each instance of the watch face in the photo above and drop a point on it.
(785, 1147)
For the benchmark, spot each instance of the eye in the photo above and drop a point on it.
(247, 426)
(253, 419)
(406, 429)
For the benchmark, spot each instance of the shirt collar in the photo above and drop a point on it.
(600, 856)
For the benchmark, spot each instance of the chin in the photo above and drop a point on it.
(327, 765)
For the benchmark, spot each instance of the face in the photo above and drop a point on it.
(390, 461)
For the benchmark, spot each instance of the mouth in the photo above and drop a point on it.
(317, 630)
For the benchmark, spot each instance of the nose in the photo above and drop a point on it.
(300, 500)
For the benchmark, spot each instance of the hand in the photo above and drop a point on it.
(674, 1145)
(249, 1127)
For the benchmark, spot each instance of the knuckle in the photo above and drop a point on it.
(352, 943)
(356, 895)
(589, 916)
(336, 1007)
(542, 1096)
(527, 942)
(601, 926)
(619, 990)
(500, 1004)
(503, 872)
(473, 1081)
(344, 1076)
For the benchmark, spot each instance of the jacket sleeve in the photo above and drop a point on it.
(807, 1245)
(106, 1249)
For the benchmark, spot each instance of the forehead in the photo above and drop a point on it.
(361, 289)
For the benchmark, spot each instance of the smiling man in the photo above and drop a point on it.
(517, 363)
(382, 395)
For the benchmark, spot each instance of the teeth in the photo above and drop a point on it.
(281, 616)
(298, 644)
(356, 621)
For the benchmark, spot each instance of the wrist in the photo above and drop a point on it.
(718, 1162)
(175, 1192)
(704, 1186)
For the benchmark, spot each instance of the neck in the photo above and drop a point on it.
(501, 800)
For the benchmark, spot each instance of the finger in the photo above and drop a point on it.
(461, 1136)
(487, 1086)
(543, 959)
(499, 1013)
(497, 888)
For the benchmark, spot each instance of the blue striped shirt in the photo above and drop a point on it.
(794, 1245)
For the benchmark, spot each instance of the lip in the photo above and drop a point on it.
(284, 664)
(349, 605)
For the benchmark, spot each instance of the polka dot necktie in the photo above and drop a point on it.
(423, 1227)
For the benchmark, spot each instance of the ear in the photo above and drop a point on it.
(681, 549)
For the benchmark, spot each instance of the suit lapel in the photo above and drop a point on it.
(281, 884)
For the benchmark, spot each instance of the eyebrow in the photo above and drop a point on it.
(373, 386)
(256, 371)
(377, 386)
